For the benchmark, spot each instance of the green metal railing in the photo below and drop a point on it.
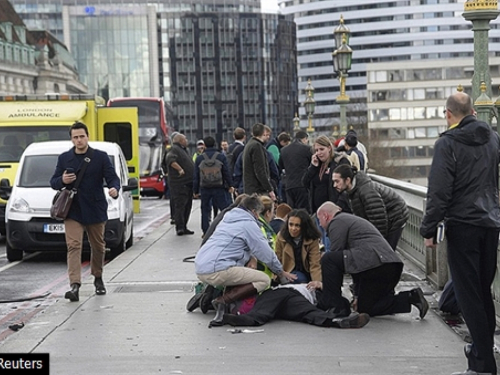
(432, 261)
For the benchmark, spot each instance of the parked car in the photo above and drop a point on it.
(28, 223)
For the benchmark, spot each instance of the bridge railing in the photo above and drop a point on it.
(411, 245)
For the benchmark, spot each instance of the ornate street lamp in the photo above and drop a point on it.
(296, 123)
(481, 13)
(342, 60)
(309, 105)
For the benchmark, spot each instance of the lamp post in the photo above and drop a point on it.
(309, 105)
(480, 13)
(342, 59)
(296, 123)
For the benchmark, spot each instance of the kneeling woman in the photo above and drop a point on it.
(221, 260)
(297, 247)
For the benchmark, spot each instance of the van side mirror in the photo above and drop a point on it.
(132, 184)
(5, 188)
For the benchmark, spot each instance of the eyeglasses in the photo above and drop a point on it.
(446, 110)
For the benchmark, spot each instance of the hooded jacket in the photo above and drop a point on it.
(378, 204)
(236, 238)
(463, 180)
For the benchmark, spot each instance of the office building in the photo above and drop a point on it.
(385, 31)
(218, 63)
(406, 101)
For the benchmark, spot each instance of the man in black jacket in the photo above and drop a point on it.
(463, 191)
(180, 180)
(295, 159)
(377, 203)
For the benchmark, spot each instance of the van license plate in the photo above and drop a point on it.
(53, 228)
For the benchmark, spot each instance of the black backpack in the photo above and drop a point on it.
(211, 171)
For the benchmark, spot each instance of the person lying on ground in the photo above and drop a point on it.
(294, 302)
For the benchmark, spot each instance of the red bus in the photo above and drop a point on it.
(153, 138)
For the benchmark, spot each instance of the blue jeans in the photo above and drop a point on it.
(215, 197)
(324, 237)
(302, 277)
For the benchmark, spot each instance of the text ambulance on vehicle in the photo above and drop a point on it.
(36, 118)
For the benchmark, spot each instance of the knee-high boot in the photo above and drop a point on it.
(234, 294)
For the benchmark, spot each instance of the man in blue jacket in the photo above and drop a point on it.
(212, 194)
(88, 211)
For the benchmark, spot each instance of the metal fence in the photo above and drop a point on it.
(432, 261)
(411, 244)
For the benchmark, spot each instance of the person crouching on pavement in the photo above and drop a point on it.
(221, 260)
(358, 248)
(297, 247)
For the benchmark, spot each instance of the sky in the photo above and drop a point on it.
(269, 5)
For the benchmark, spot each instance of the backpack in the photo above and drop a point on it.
(211, 172)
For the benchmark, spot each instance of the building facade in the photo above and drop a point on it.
(33, 61)
(218, 63)
(406, 101)
(385, 31)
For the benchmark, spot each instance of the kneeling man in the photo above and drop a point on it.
(358, 248)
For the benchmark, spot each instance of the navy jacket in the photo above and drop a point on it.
(89, 205)
(226, 175)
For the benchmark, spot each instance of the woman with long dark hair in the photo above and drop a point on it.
(297, 247)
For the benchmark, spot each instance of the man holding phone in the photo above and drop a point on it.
(88, 211)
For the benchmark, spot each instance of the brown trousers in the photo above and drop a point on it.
(74, 241)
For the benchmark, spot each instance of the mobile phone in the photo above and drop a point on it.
(439, 233)
(70, 170)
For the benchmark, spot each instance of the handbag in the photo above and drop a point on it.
(62, 203)
(64, 198)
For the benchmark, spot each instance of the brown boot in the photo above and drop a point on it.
(236, 293)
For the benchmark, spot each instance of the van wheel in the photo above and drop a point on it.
(13, 255)
(130, 241)
(120, 248)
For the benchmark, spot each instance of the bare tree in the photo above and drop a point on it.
(380, 159)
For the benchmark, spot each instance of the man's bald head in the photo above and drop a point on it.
(180, 138)
(460, 105)
(326, 212)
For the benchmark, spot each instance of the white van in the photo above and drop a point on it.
(27, 216)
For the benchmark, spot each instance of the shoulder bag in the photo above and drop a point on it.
(64, 198)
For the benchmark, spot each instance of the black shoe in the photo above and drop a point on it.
(99, 286)
(72, 294)
(180, 232)
(172, 222)
(220, 310)
(355, 320)
(187, 231)
(206, 299)
(194, 302)
(418, 300)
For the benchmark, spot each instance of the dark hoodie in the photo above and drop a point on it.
(463, 180)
